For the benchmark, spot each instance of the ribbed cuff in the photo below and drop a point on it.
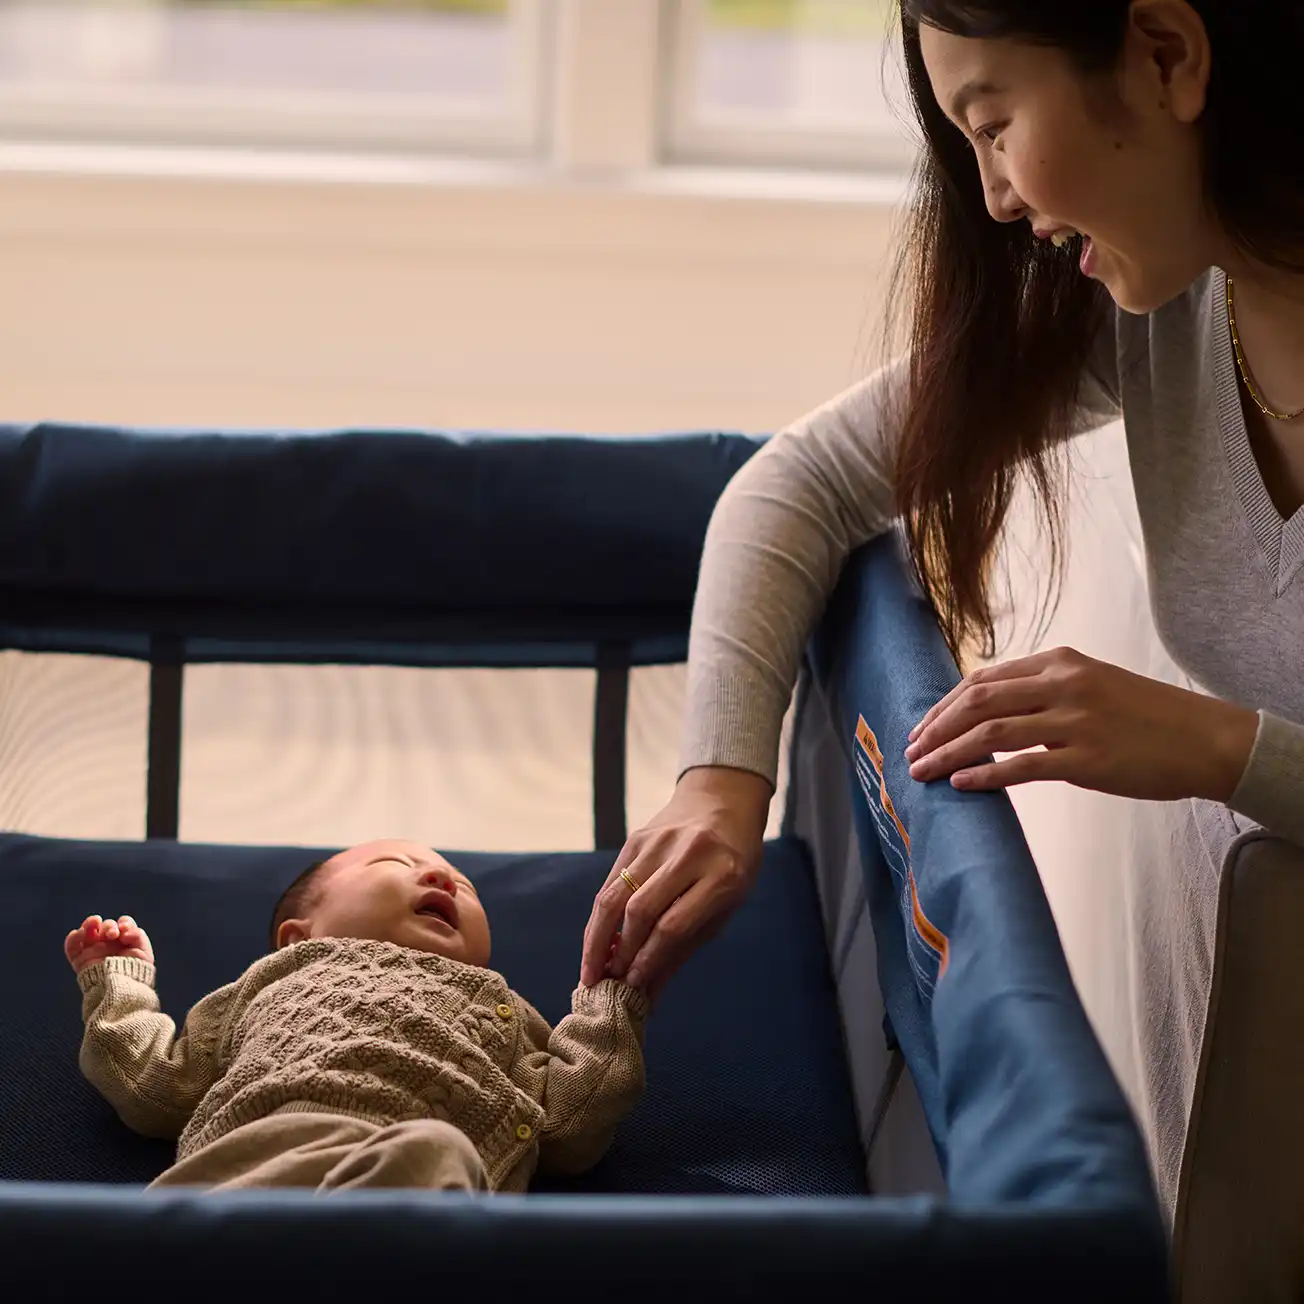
(95, 975)
(1271, 791)
(734, 721)
(605, 995)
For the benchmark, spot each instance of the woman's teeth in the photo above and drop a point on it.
(1061, 238)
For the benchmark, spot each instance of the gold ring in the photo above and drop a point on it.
(629, 881)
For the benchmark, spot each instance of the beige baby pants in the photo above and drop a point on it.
(329, 1152)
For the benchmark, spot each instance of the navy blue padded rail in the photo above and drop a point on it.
(373, 547)
(748, 1089)
(637, 1251)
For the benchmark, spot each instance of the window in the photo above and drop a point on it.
(405, 74)
(787, 82)
(781, 83)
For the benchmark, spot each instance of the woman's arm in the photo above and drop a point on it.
(777, 543)
(1271, 790)
(780, 536)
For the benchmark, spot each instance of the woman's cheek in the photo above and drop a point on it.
(1052, 185)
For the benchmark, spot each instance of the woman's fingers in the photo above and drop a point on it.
(606, 917)
(662, 880)
(984, 704)
(1027, 767)
(679, 931)
(973, 745)
(1022, 668)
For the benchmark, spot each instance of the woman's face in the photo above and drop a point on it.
(1115, 158)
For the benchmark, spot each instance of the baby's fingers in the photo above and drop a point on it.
(74, 943)
(110, 930)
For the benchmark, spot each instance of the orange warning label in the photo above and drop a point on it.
(926, 929)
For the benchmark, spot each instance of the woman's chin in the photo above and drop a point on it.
(1138, 296)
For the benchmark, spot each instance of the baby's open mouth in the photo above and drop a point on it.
(439, 905)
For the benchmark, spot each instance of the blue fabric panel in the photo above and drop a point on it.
(637, 1251)
(748, 1089)
(1018, 1094)
(352, 543)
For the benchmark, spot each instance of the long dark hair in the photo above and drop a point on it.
(1002, 324)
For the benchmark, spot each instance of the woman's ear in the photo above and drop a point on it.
(292, 931)
(1178, 51)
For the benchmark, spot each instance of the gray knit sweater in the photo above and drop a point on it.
(1226, 572)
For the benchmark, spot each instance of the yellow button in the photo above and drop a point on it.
(504, 1011)
(524, 1132)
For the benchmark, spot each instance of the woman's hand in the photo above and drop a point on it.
(1102, 728)
(694, 863)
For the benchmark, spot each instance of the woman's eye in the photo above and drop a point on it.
(990, 134)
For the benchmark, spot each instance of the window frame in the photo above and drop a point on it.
(689, 140)
(340, 121)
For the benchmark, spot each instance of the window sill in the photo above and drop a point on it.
(142, 162)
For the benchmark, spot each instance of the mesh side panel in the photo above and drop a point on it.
(656, 706)
(497, 759)
(656, 716)
(73, 745)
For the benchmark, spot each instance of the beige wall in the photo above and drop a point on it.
(513, 306)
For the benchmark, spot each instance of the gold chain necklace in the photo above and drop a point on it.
(1250, 386)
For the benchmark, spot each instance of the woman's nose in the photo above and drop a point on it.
(1002, 202)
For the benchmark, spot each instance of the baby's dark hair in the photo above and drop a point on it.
(297, 899)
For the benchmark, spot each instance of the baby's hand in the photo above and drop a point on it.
(97, 939)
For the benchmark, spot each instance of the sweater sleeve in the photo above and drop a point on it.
(131, 1052)
(587, 1073)
(778, 540)
(1271, 790)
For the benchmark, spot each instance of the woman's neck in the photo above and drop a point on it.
(1270, 325)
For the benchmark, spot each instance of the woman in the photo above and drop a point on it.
(1144, 166)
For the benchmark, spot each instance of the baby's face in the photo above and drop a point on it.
(400, 892)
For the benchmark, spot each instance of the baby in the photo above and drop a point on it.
(372, 1048)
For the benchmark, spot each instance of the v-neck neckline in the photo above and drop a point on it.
(1281, 541)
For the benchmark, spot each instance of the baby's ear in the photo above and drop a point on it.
(292, 931)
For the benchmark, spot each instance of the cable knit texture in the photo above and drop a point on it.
(376, 1032)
